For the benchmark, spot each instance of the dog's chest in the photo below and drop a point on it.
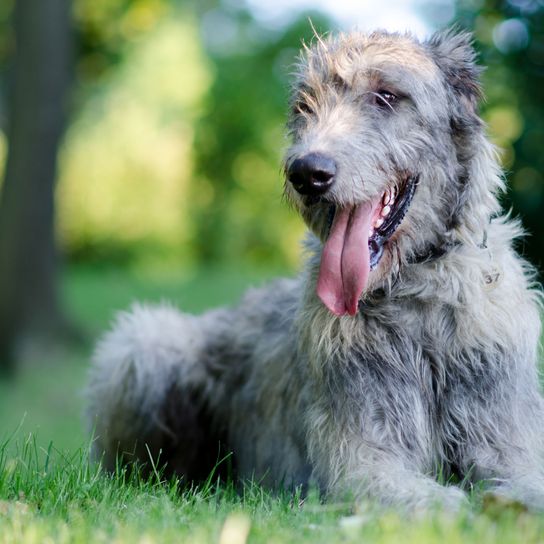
(408, 351)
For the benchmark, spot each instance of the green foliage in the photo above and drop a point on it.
(239, 141)
(6, 34)
(126, 162)
(106, 28)
(174, 150)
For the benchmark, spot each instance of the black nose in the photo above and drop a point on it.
(312, 174)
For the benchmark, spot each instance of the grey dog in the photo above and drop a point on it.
(407, 348)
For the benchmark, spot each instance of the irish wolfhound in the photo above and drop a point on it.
(408, 346)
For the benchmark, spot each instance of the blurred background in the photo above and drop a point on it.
(140, 151)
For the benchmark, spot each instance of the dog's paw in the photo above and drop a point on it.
(445, 500)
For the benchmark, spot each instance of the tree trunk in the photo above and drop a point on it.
(29, 305)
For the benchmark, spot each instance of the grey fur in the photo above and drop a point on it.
(437, 373)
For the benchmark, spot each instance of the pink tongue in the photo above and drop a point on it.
(345, 262)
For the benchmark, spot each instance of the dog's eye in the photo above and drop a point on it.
(302, 107)
(385, 98)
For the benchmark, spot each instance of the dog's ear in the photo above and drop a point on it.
(455, 55)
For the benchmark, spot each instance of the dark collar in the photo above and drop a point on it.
(434, 252)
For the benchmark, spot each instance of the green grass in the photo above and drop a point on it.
(49, 492)
(49, 497)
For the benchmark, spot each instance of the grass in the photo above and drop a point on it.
(49, 492)
(50, 497)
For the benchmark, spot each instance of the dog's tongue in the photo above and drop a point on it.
(345, 262)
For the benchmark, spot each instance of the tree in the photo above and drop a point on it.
(29, 306)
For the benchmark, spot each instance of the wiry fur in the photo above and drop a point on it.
(436, 374)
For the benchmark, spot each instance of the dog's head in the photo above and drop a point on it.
(384, 131)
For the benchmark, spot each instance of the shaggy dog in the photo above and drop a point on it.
(406, 350)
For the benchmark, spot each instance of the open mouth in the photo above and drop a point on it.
(395, 203)
(355, 244)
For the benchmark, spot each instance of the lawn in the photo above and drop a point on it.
(50, 493)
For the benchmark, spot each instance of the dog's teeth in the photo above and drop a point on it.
(389, 197)
(385, 211)
(379, 222)
(370, 232)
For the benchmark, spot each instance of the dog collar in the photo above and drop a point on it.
(434, 252)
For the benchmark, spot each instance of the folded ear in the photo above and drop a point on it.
(455, 55)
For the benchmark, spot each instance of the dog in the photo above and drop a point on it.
(406, 350)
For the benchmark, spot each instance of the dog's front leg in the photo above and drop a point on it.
(495, 426)
(358, 456)
(525, 487)
(392, 483)
(509, 457)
